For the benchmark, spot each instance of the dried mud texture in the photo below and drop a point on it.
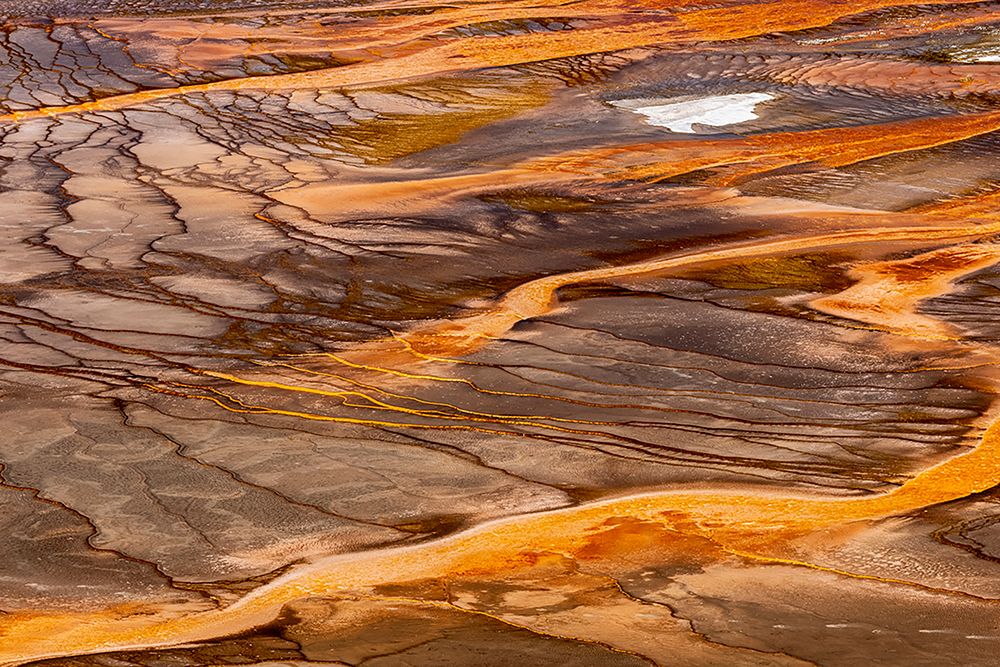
(385, 333)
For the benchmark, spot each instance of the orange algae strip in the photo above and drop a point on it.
(536, 298)
(736, 22)
(734, 520)
(887, 293)
(735, 160)
(732, 159)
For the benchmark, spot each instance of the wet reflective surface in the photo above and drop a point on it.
(595, 333)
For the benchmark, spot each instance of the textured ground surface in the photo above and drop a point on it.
(395, 333)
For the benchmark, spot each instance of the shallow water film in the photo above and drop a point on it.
(499, 333)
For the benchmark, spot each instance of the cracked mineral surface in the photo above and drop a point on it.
(499, 333)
